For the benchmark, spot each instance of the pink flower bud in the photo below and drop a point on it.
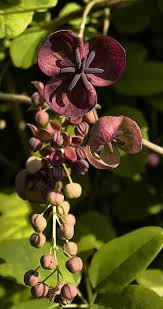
(71, 248)
(42, 117)
(49, 262)
(69, 291)
(66, 231)
(33, 164)
(37, 240)
(55, 198)
(73, 190)
(63, 208)
(39, 223)
(40, 290)
(74, 264)
(31, 277)
(69, 218)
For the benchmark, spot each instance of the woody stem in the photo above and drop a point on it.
(152, 146)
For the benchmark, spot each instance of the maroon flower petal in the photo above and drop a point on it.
(74, 103)
(131, 138)
(104, 130)
(107, 160)
(58, 51)
(110, 56)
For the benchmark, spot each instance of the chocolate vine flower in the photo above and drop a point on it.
(107, 135)
(76, 67)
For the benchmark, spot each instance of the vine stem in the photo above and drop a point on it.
(15, 98)
(106, 21)
(152, 146)
(87, 10)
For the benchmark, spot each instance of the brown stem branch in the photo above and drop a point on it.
(15, 98)
(60, 21)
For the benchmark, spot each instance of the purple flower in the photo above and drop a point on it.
(76, 67)
(107, 135)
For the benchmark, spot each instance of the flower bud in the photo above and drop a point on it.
(73, 190)
(63, 301)
(37, 240)
(70, 219)
(40, 290)
(90, 117)
(153, 159)
(31, 277)
(48, 261)
(66, 231)
(38, 222)
(74, 264)
(33, 164)
(42, 117)
(82, 129)
(69, 291)
(63, 208)
(71, 248)
(35, 143)
(54, 198)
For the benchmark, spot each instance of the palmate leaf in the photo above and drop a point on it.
(35, 303)
(119, 262)
(16, 15)
(23, 49)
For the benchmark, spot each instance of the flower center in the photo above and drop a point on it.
(82, 69)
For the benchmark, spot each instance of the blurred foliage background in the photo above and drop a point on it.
(120, 201)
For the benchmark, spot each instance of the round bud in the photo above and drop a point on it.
(39, 223)
(66, 231)
(69, 291)
(38, 240)
(63, 208)
(42, 117)
(31, 277)
(73, 190)
(71, 248)
(54, 198)
(48, 262)
(70, 219)
(74, 264)
(40, 290)
(33, 164)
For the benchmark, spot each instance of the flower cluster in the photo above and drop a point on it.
(67, 142)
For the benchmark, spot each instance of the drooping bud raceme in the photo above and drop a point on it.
(107, 135)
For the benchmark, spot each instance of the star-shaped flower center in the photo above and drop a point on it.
(82, 69)
(115, 141)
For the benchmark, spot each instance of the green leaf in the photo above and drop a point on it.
(14, 221)
(69, 8)
(12, 7)
(19, 256)
(119, 262)
(88, 236)
(133, 297)
(138, 16)
(141, 77)
(131, 165)
(152, 279)
(12, 25)
(23, 48)
(36, 303)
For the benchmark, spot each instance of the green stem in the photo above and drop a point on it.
(152, 146)
(67, 173)
(54, 230)
(106, 21)
(46, 209)
(87, 10)
(51, 274)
